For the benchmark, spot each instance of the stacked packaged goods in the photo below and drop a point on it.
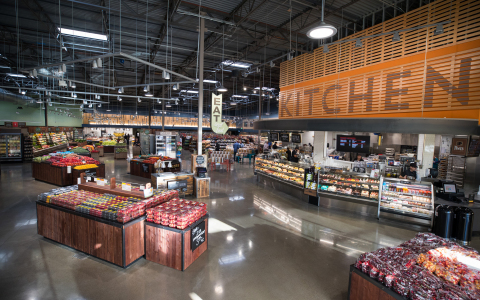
(425, 267)
(177, 213)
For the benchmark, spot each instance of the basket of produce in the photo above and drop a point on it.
(120, 153)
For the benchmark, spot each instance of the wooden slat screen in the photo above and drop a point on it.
(421, 73)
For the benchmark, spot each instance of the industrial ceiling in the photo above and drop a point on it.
(246, 38)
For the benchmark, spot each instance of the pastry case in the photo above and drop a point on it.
(285, 171)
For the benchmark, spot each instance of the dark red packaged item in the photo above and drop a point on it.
(402, 286)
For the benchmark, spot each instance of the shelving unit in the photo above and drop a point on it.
(27, 149)
(414, 200)
(11, 148)
(456, 169)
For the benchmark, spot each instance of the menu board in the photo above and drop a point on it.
(296, 138)
(474, 146)
(353, 143)
(273, 136)
(284, 137)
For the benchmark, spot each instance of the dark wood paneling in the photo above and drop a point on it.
(108, 149)
(361, 289)
(163, 247)
(191, 256)
(92, 237)
(134, 242)
(58, 175)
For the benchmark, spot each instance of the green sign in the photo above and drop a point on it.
(147, 131)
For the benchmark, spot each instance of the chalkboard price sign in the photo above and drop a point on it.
(274, 136)
(145, 168)
(474, 146)
(198, 236)
(284, 137)
(296, 138)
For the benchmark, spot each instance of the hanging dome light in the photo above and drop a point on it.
(222, 89)
(322, 31)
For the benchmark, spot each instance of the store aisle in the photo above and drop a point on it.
(262, 245)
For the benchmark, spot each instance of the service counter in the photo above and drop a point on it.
(60, 176)
(114, 242)
(139, 168)
(178, 180)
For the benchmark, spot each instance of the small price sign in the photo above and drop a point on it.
(126, 187)
(148, 192)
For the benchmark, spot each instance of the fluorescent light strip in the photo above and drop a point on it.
(83, 34)
(16, 75)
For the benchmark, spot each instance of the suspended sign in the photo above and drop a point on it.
(216, 123)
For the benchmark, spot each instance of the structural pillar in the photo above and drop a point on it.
(319, 145)
(200, 87)
(425, 152)
(46, 113)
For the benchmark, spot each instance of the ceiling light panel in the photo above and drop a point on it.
(83, 34)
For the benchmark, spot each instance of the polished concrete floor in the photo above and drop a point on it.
(262, 245)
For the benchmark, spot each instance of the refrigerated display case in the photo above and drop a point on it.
(405, 198)
(11, 148)
(167, 143)
(348, 184)
(284, 171)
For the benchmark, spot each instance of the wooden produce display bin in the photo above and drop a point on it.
(108, 149)
(136, 150)
(172, 247)
(95, 155)
(121, 155)
(362, 287)
(100, 151)
(202, 187)
(120, 244)
(141, 169)
(59, 175)
(43, 171)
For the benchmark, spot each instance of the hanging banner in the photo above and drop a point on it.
(216, 123)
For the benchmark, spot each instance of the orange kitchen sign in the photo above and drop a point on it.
(440, 83)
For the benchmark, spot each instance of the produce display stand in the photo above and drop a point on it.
(110, 189)
(117, 243)
(172, 247)
(95, 155)
(61, 147)
(59, 175)
(120, 155)
(109, 149)
(100, 151)
(362, 287)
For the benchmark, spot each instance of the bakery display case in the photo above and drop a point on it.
(350, 184)
(409, 199)
(292, 173)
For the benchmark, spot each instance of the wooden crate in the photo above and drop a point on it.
(121, 155)
(100, 151)
(95, 155)
(171, 247)
(202, 187)
(51, 174)
(120, 244)
(108, 149)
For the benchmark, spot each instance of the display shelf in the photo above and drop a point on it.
(406, 214)
(292, 183)
(296, 167)
(285, 172)
(345, 182)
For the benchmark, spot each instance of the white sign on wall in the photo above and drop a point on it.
(216, 123)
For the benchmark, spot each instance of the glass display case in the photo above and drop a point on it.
(340, 182)
(285, 171)
(407, 198)
(11, 146)
(166, 145)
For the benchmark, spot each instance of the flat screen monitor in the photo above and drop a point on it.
(449, 188)
(353, 143)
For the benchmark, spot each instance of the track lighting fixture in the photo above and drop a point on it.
(94, 64)
(325, 49)
(396, 37)
(358, 43)
(120, 90)
(438, 29)
(139, 100)
(72, 84)
(175, 87)
(119, 99)
(165, 75)
(222, 89)
(99, 62)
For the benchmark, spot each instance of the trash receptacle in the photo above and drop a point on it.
(443, 221)
(462, 225)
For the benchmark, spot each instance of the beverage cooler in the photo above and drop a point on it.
(167, 144)
(11, 147)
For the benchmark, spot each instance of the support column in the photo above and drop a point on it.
(319, 145)
(425, 151)
(200, 87)
(46, 114)
(149, 114)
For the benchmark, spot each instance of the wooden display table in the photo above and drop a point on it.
(172, 247)
(62, 147)
(110, 189)
(120, 244)
(59, 175)
(138, 168)
(362, 287)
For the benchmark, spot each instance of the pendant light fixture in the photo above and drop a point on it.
(222, 89)
(148, 93)
(323, 30)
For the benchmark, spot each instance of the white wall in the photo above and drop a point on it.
(307, 137)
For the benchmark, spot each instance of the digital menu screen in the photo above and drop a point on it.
(353, 143)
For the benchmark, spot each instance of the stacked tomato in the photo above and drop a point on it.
(151, 160)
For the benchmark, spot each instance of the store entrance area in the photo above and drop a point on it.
(263, 244)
